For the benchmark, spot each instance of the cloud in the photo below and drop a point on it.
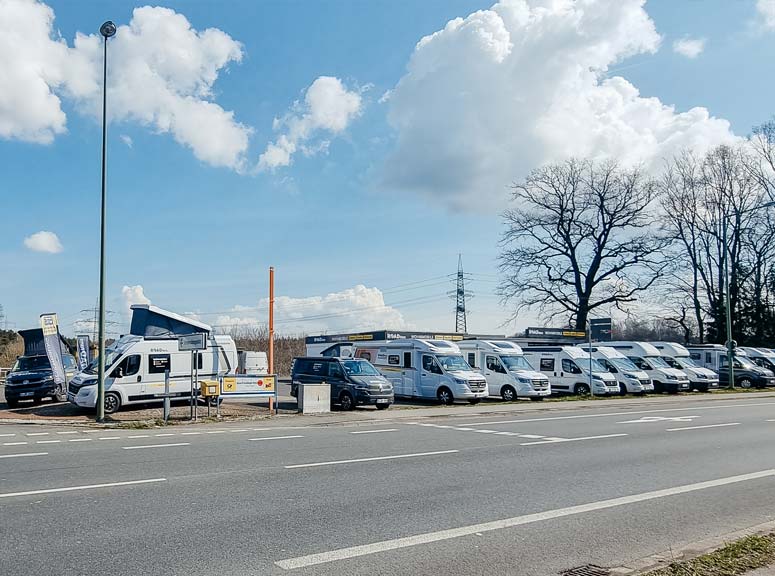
(357, 308)
(328, 109)
(127, 140)
(161, 75)
(689, 47)
(495, 94)
(133, 295)
(766, 10)
(44, 241)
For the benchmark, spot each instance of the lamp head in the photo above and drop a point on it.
(108, 29)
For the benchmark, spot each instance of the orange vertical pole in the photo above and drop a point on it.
(270, 354)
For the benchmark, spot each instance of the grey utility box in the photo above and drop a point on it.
(314, 398)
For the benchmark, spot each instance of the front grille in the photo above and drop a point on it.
(30, 385)
(73, 387)
(539, 384)
(645, 382)
(477, 386)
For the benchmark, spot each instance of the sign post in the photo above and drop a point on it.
(193, 342)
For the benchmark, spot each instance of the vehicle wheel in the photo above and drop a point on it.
(444, 396)
(383, 406)
(658, 389)
(702, 387)
(508, 394)
(744, 383)
(537, 398)
(347, 401)
(474, 400)
(622, 389)
(581, 390)
(12, 403)
(112, 403)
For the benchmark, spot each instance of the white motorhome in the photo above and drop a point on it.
(568, 369)
(649, 359)
(630, 378)
(135, 364)
(763, 357)
(425, 369)
(508, 374)
(249, 362)
(677, 356)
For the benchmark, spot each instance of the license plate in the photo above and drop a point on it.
(26, 393)
(383, 401)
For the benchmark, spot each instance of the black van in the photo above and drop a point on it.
(353, 381)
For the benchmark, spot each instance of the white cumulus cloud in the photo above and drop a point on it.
(689, 47)
(161, 75)
(504, 90)
(127, 140)
(133, 295)
(327, 110)
(44, 241)
(766, 10)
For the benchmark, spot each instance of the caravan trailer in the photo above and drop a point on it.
(135, 364)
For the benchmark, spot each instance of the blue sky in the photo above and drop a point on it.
(382, 205)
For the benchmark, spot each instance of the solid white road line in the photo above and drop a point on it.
(430, 537)
(274, 438)
(562, 440)
(703, 427)
(375, 431)
(86, 487)
(13, 443)
(155, 446)
(577, 416)
(372, 459)
(24, 455)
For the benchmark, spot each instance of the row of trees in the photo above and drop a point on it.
(588, 237)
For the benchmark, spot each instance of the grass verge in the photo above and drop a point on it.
(738, 557)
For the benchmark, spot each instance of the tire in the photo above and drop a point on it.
(382, 406)
(537, 398)
(444, 396)
(658, 388)
(581, 389)
(11, 403)
(112, 403)
(745, 383)
(508, 394)
(622, 389)
(702, 388)
(473, 401)
(346, 401)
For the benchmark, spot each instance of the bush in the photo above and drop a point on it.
(257, 339)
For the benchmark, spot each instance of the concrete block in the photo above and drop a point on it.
(314, 398)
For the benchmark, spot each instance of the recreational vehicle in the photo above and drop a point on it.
(677, 356)
(762, 357)
(647, 358)
(568, 369)
(508, 374)
(135, 364)
(425, 369)
(746, 373)
(630, 378)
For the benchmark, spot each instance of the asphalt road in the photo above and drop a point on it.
(532, 493)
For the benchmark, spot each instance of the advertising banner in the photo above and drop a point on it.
(245, 385)
(53, 344)
(84, 352)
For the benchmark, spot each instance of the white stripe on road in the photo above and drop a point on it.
(217, 431)
(702, 427)
(240, 430)
(109, 438)
(48, 442)
(72, 432)
(6, 435)
(38, 434)
(372, 459)
(139, 436)
(86, 487)
(13, 443)
(165, 434)
(562, 440)
(189, 433)
(24, 455)
(81, 440)
(430, 537)
(155, 446)
(274, 438)
(375, 431)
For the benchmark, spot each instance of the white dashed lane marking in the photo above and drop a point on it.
(48, 442)
(81, 440)
(14, 443)
(27, 455)
(482, 431)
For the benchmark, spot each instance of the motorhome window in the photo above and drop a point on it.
(450, 363)
(366, 355)
(158, 363)
(198, 360)
(640, 363)
(407, 359)
(696, 356)
(658, 362)
(686, 363)
(494, 364)
(547, 364)
(472, 359)
(359, 368)
(31, 363)
(570, 366)
(672, 362)
(394, 359)
(708, 358)
(607, 365)
(129, 367)
(429, 364)
(111, 355)
(623, 363)
(516, 363)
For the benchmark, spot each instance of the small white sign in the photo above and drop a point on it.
(192, 342)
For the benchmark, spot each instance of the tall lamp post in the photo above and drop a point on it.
(108, 29)
(728, 301)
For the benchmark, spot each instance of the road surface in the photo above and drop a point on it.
(529, 494)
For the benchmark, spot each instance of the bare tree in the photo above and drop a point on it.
(580, 237)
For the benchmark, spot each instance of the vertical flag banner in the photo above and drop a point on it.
(48, 322)
(84, 355)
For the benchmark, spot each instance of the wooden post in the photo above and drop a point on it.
(270, 353)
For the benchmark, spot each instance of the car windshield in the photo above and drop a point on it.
(31, 363)
(658, 362)
(686, 363)
(111, 355)
(745, 363)
(623, 363)
(453, 362)
(359, 368)
(516, 363)
(596, 366)
(672, 362)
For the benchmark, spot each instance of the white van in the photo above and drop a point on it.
(649, 359)
(425, 369)
(763, 357)
(135, 364)
(249, 362)
(508, 374)
(630, 378)
(568, 370)
(677, 356)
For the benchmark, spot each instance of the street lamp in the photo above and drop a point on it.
(728, 305)
(108, 29)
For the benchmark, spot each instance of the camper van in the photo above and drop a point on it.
(630, 378)
(677, 356)
(249, 362)
(135, 364)
(746, 373)
(762, 357)
(508, 374)
(649, 359)
(425, 369)
(568, 370)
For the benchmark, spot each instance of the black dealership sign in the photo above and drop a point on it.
(600, 329)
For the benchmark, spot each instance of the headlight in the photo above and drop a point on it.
(701, 376)
(524, 380)
(461, 382)
(671, 377)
